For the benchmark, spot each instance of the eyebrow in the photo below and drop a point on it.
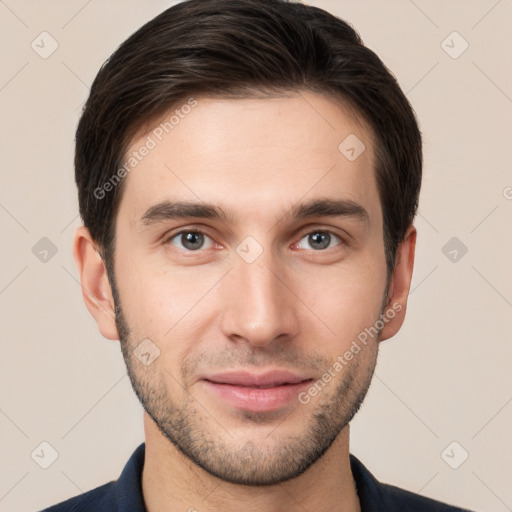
(171, 210)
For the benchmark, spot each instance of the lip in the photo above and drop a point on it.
(268, 379)
(262, 392)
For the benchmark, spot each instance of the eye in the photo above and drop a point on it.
(319, 240)
(191, 240)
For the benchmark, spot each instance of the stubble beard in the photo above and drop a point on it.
(276, 459)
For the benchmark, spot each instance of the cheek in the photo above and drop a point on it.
(160, 301)
(347, 301)
(156, 308)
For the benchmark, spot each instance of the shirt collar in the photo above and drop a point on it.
(128, 488)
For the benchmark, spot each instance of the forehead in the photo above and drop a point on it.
(254, 158)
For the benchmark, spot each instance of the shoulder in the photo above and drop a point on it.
(121, 495)
(100, 499)
(375, 496)
(410, 502)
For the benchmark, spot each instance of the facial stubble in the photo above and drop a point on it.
(195, 431)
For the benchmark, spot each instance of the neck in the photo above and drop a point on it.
(171, 482)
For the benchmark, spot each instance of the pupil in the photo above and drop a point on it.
(192, 240)
(320, 239)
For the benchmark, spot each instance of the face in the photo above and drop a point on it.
(233, 311)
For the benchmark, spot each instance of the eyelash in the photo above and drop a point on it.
(302, 236)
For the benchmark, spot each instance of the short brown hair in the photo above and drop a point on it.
(236, 48)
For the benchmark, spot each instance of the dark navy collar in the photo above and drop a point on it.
(128, 488)
(125, 494)
(374, 496)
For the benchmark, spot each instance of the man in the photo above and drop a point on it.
(248, 175)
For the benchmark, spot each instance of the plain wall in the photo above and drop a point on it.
(445, 377)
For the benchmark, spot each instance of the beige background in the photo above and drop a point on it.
(444, 378)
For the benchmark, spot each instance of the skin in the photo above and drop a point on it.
(298, 306)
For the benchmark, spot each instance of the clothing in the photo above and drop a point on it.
(125, 494)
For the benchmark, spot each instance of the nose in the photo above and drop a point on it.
(260, 308)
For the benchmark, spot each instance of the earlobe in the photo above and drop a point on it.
(94, 281)
(400, 283)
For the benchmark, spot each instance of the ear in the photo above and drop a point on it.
(399, 286)
(96, 289)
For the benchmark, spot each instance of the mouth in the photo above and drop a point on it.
(263, 392)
